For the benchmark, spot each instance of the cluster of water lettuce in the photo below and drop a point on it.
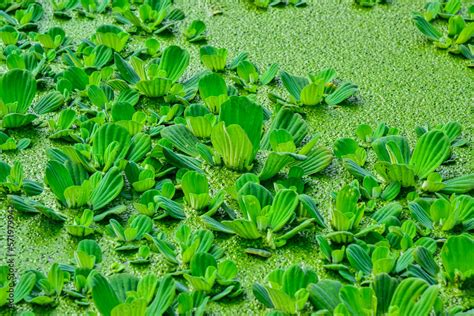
(129, 127)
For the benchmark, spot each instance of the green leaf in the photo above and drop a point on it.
(289, 121)
(111, 36)
(359, 259)
(213, 91)
(164, 297)
(359, 301)
(182, 138)
(244, 228)
(456, 256)
(431, 150)
(233, 145)
(49, 102)
(17, 90)
(317, 160)
(104, 137)
(108, 188)
(125, 70)
(196, 190)
(426, 28)
(58, 179)
(384, 287)
(325, 294)
(414, 296)
(293, 84)
(245, 113)
(24, 286)
(213, 58)
(269, 74)
(392, 148)
(91, 248)
(282, 209)
(342, 92)
(103, 295)
(174, 62)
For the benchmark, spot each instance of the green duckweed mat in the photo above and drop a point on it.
(403, 80)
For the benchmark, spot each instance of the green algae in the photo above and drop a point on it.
(404, 81)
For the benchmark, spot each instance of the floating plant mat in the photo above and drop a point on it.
(125, 172)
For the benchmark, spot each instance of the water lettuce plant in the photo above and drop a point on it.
(458, 40)
(399, 167)
(320, 88)
(133, 137)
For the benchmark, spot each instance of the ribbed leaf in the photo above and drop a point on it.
(289, 121)
(414, 296)
(456, 255)
(317, 160)
(325, 294)
(103, 295)
(174, 62)
(431, 150)
(359, 259)
(17, 86)
(107, 134)
(384, 287)
(233, 145)
(213, 91)
(282, 209)
(108, 188)
(293, 84)
(58, 179)
(181, 138)
(426, 28)
(245, 113)
(342, 92)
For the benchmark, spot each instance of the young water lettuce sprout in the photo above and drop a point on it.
(87, 258)
(398, 167)
(236, 136)
(456, 257)
(89, 8)
(196, 193)
(347, 213)
(318, 89)
(128, 237)
(153, 16)
(213, 58)
(30, 206)
(213, 91)
(286, 291)
(17, 91)
(270, 218)
(371, 3)
(155, 79)
(151, 201)
(196, 32)
(12, 180)
(36, 288)
(215, 279)
(24, 19)
(188, 243)
(458, 40)
(264, 4)
(122, 293)
(249, 78)
(445, 9)
(448, 214)
(111, 36)
(62, 8)
(88, 56)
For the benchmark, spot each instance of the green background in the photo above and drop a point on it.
(404, 81)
